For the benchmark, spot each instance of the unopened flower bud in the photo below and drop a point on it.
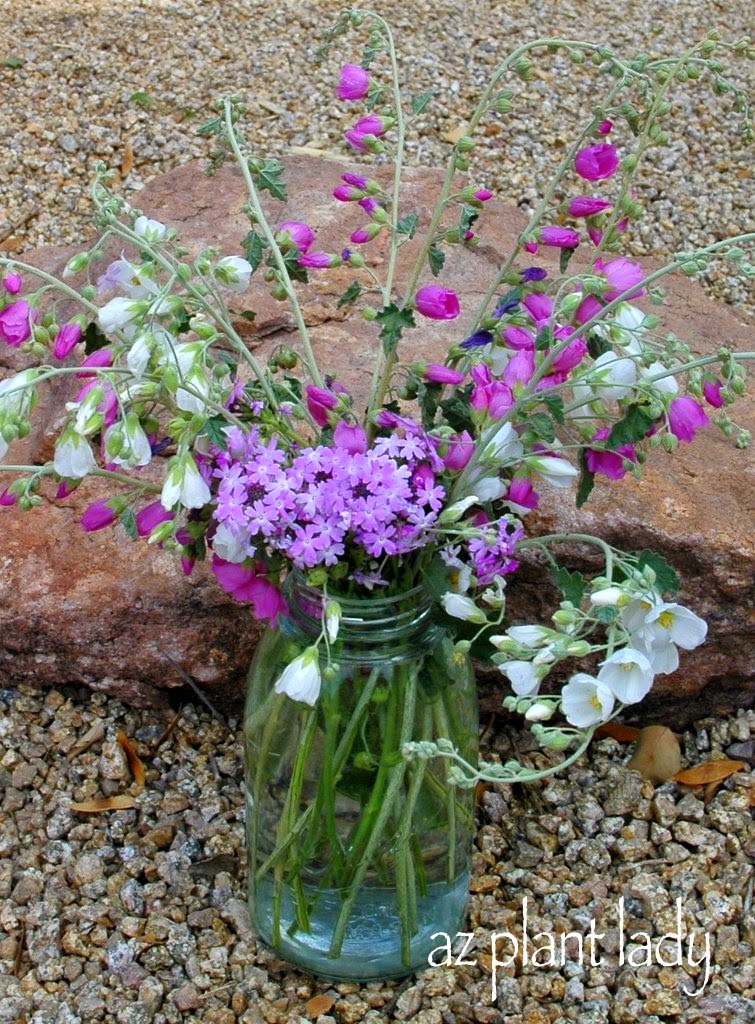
(539, 712)
(669, 442)
(76, 264)
(608, 597)
(578, 649)
(279, 292)
(465, 144)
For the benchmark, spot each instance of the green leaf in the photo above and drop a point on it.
(666, 579)
(606, 615)
(428, 395)
(211, 127)
(254, 248)
(633, 427)
(420, 102)
(563, 262)
(94, 339)
(456, 410)
(467, 216)
(128, 522)
(571, 584)
(393, 321)
(542, 426)
(214, 430)
(13, 62)
(143, 99)
(249, 315)
(555, 405)
(514, 295)
(295, 270)
(374, 97)
(544, 339)
(407, 225)
(352, 292)
(267, 175)
(586, 481)
(436, 258)
(597, 346)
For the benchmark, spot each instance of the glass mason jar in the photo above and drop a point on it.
(356, 854)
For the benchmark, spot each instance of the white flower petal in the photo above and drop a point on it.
(301, 679)
(628, 675)
(586, 701)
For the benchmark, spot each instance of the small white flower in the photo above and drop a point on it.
(612, 376)
(136, 450)
(608, 597)
(332, 620)
(184, 485)
(73, 456)
(530, 636)
(524, 677)
(628, 674)
(227, 545)
(664, 385)
(586, 701)
(539, 712)
(234, 272)
(193, 397)
(138, 356)
(149, 230)
(490, 488)
(119, 312)
(504, 446)
(556, 471)
(663, 655)
(135, 281)
(672, 622)
(461, 607)
(301, 679)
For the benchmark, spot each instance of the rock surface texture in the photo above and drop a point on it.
(99, 610)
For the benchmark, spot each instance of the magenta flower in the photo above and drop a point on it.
(539, 307)
(520, 368)
(622, 275)
(596, 235)
(712, 393)
(319, 403)
(101, 357)
(247, 583)
(318, 260)
(151, 516)
(685, 417)
(570, 356)
(609, 463)
(559, 238)
(365, 234)
(7, 497)
(98, 516)
(350, 437)
(12, 284)
(371, 125)
(594, 163)
(437, 374)
(522, 495)
(518, 337)
(483, 194)
(589, 307)
(604, 128)
(437, 303)
(346, 194)
(66, 340)
(369, 205)
(16, 321)
(66, 487)
(587, 206)
(459, 452)
(300, 234)
(354, 83)
(530, 247)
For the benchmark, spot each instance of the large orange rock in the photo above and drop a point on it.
(100, 610)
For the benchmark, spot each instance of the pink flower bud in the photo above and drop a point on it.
(604, 128)
(151, 516)
(517, 337)
(12, 284)
(522, 494)
(437, 303)
(345, 194)
(596, 235)
(594, 163)
(570, 356)
(300, 234)
(685, 416)
(622, 275)
(530, 246)
(98, 516)
(712, 393)
(354, 83)
(520, 367)
(483, 194)
(459, 452)
(559, 238)
(539, 308)
(318, 260)
(365, 234)
(369, 205)
(589, 307)
(16, 321)
(610, 463)
(350, 437)
(319, 403)
(66, 487)
(7, 498)
(66, 340)
(437, 374)
(587, 206)
(371, 125)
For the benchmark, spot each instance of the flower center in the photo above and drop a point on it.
(666, 619)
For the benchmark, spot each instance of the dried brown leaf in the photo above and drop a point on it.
(119, 802)
(617, 731)
(128, 160)
(711, 771)
(317, 1005)
(11, 243)
(135, 765)
(94, 734)
(656, 754)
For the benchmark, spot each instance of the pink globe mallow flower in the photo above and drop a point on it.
(604, 128)
(685, 418)
(435, 373)
(7, 498)
(609, 463)
(519, 369)
(353, 84)
(16, 323)
(151, 516)
(559, 238)
(588, 308)
(248, 583)
(66, 340)
(300, 234)
(587, 206)
(319, 403)
(569, 356)
(99, 516)
(365, 234)
(319, 260)
(108, 405)
(530, 247)
(482, 195)
(351, 437)
(539, 307)
(459, 451)
(595, 163)
(372, 125)
(712, 393)
(66, 487)
(595, 235)
(622, 276)
(100, 358)
(437, 303)
(12, 283)
(518, 338)
(521, 495)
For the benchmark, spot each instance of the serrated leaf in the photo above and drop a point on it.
(544, 339)
(420, 102)
(214, 431)
(128, 522)
(374, 98)
(631, 428)
(586, 481)
(13, 62)
(571, 584)
(563, 261)
(267, 176)
(666, 579)
(295, 270)
(597, 346)
(467, 216)
(254, 248)
(211, 127)
(94, 339)
(407, 225)
(456, 410)
(542, 426)
(606, 615)
(352, 292)
(393, 321)
(436, 258)
(555, 405)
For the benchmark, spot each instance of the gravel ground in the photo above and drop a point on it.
(123, 81)
(138, 916)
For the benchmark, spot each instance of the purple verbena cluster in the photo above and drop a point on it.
(491, 555)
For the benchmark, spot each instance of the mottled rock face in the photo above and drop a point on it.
(100, 610)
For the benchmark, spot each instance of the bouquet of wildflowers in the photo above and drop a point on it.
(428, 476)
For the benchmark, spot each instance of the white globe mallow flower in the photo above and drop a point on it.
(184, 485)
(119, 313)
(586, 701)
(628, 674)
(139, 354)
(530, 636)
(136, 449)
(332, 620)
(461, 607)
(228, 546)
(74, 458)
(672, 622)
(539, 712)
(662, 655)
(611, 376)
(301, 680)
(554, 470)
(193, 397)
(663, 385)
(503, 446)
(233, 272)
(525, 678)
(149, 230)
